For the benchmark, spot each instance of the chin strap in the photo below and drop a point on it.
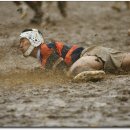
(38, 55)
(29, 50)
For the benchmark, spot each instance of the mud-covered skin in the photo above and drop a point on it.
(28, 97)
(85, 63)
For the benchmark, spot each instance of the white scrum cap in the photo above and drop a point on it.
(34, 36)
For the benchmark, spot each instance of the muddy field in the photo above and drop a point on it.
(30, 98)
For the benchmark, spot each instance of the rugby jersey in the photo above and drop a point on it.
(51, 52)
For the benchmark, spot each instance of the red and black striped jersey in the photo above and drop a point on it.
(50, 52)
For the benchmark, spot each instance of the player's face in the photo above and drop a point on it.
(24, 44)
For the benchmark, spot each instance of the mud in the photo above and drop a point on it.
(31, 98)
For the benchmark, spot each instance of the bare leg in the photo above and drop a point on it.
(85, 63)
(36, 7)
(17, 3)
(62, 7)
(126, 62)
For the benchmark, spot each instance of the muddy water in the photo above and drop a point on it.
(32, 98)
(29, 99)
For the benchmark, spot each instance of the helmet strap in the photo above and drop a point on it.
(29, 50)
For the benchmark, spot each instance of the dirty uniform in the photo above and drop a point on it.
(111, 58)
(51, 52)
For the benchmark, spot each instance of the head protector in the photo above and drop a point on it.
(35, 38)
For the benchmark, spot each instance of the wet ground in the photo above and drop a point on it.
(30, 98)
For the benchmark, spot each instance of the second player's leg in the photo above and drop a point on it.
(36, 6)
(62, 7)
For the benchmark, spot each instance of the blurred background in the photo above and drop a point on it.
(82, 23)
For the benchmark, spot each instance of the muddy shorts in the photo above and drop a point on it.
(111, 58)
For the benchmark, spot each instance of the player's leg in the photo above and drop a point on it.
(126, 62)
(18, 3)
(36, 6)
(62, 7)
(85, 63)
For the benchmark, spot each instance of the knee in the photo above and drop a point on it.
(85, 64)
